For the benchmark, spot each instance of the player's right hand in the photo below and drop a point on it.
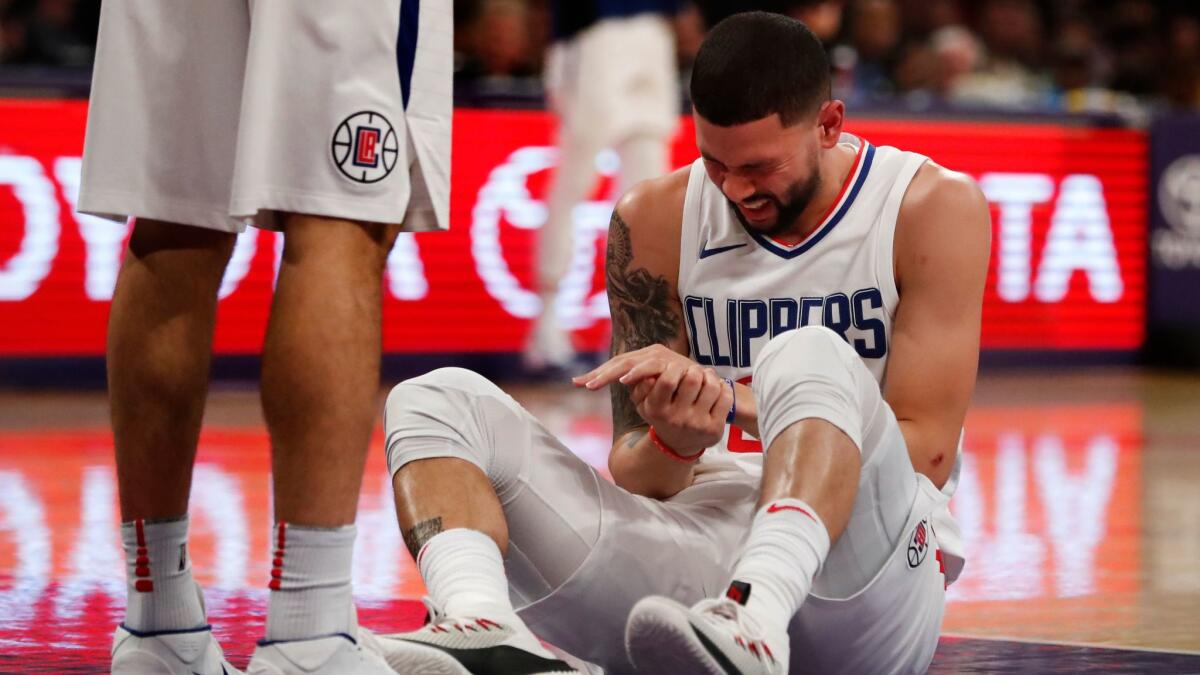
(686, 403)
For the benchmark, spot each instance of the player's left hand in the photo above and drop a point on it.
(632, 367)
(685, 402)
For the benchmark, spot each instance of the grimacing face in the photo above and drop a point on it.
(768, 172)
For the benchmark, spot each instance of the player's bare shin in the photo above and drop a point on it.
(321, 365)
(814, 461)
(160, 335)
(439, 494)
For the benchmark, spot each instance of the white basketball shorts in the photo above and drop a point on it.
(216, 113)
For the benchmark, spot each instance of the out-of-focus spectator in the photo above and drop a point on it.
(1008, 75)
(495, 42)
(921, 18)
(1125, 56)
(44, 32)
(864, 67)
(823, 17)
(1181, 87)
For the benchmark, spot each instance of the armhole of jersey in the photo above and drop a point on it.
(693, 221)
(886, 260)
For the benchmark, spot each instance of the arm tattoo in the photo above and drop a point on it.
(643, 313)
(420, 533)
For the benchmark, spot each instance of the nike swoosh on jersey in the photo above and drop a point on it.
(706, 252)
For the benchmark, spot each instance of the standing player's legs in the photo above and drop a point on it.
(159, 148)
(549, 345)
(159, 347)
(343, 140)
(614, 84)
(319, 382)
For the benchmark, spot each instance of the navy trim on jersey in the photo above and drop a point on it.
(406, 45)
(784, 252)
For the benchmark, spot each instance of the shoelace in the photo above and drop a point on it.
(747, 632)
(438, 622)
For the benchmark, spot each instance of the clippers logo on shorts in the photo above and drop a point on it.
(364, 147)
(918, 544)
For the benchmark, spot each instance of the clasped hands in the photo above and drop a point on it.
(685, 402)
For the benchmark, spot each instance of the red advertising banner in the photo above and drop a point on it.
(1067, 270)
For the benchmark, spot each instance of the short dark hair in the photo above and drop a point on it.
(754, 64)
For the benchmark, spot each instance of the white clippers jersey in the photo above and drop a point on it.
(740, 288)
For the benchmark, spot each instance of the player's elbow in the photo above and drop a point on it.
(629, 474)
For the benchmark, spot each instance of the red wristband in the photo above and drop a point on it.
(668, 450)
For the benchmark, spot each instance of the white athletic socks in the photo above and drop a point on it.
(787, 545)
(310, 582)
(464, 574)
(161, 593)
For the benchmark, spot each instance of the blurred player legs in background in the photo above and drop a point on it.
(612, 83)
(332, 127)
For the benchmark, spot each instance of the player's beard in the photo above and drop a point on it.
(787, 210)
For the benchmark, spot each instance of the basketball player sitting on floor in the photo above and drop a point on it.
(795, 330)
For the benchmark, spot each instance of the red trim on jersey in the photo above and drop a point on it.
(862, 147)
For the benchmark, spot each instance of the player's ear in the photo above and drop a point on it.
(830, 118)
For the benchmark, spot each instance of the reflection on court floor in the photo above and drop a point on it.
(1079, 521)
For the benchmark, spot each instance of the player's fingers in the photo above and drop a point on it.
(724, 400)
(690, 384)
(664, 389)
(639, 391)
(607, 373)
(651, 367)
(710, 392)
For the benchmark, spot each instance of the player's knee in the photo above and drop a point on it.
(455, 378)
(424, 396)
(311, 238)
(807, 373)
(439, 414)
(802, 350)
(150, 236)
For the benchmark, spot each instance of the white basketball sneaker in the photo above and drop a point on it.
(182, 652)
(716, 637)
(330, 655)
(469, 646)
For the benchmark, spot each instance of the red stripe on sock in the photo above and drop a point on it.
(277, 562)
(141, 565)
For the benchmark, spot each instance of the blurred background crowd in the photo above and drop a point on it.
(1061, 55)
(1124, 56)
